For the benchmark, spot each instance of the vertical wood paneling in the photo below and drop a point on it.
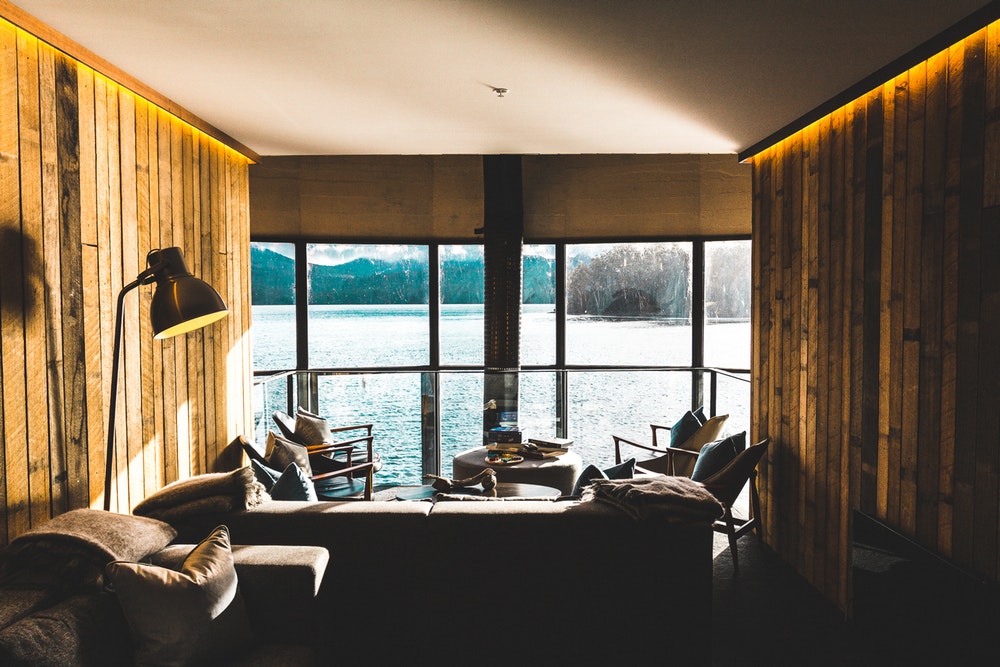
(13, 406)
(29, 132)
(91, 178)
(876, 237)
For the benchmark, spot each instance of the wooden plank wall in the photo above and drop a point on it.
(876, 367)
(91, 178)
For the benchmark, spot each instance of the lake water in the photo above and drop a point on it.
(600, 402)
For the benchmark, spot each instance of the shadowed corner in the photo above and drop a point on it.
(18, 288)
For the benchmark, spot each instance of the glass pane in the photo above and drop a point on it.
(733, 399)
(272, 299)
(538, 310)
(367, 305)
(461, 304)
(461, 415)
(727, 304)
(389, 401)
(629, 303)
(622, 403)
(537, 404)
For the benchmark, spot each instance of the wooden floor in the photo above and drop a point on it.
(769, 616)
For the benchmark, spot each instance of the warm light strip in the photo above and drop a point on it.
(982, 20)
(21, 20)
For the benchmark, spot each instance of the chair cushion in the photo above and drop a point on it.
(714, 456)
(623, 470)
(707, 432)
(684, 428)
(281, 452)
(192, 616)
(311, 429)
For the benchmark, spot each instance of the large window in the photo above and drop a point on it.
(367, 305)
(628, 304)
(613, 336)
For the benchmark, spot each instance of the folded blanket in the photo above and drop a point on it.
(70, 551)
(204, 494)
(674, 498)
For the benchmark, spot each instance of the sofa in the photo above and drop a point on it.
(56, 608)
(464, 580)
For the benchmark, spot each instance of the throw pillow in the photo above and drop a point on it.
(623, 470)
(293, 484)
(707, 432)
(716, 455)
(265, 475)
(700, 414)
(281, 452)
(311, 429)
(683, 429)
(192, 616)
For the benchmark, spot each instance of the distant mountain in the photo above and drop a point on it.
(272, 278)
(373, 281)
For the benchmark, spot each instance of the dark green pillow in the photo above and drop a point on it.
(700, 414)
(714, 456)
(624, 470)
(293, 485)
(265, 475)
(685, 427)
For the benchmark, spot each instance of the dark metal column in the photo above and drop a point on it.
(503, 231)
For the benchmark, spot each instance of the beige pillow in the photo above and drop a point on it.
(191, 616)
(311, 429)
(710, 431)
(281, 452)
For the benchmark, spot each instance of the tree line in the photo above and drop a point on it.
(630, 280)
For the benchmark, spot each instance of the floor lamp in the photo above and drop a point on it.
(181, 303)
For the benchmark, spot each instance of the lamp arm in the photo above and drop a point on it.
(142, 279)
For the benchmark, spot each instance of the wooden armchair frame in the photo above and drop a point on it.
(350, 470)
(286, 424)
(726, 485)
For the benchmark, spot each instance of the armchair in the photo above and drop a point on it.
(310, 429)
(689, 433)
(726, 485)
(341, 480)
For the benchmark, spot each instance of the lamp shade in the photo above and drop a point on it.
(181, 302)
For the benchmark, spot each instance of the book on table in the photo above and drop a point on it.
(551, 443)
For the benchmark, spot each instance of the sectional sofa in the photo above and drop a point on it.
(547, 582)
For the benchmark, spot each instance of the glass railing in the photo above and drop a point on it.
(422, 419)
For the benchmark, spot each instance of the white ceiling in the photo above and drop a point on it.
(329, 77)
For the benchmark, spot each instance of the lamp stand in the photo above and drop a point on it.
(144, 277)
(181, 303)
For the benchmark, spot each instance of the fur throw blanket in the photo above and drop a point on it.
(210, 493)
(71, 550)
(675, 498)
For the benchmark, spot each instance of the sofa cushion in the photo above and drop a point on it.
(264, 474)
(79, 630)
(293, 484)
(714, 456)
(623, 470)
(195, 615)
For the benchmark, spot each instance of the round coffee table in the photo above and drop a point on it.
(502, 490)
(560, 471)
